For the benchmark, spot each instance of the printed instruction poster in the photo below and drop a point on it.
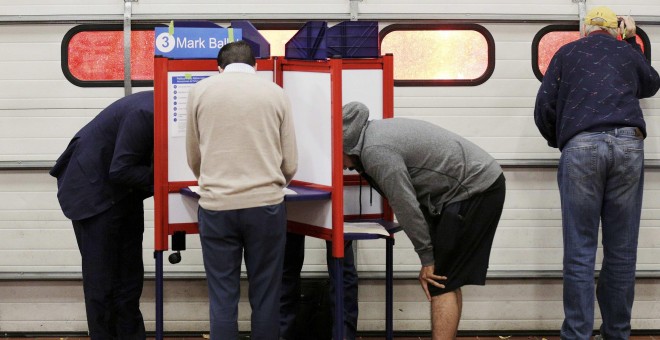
(179, 84)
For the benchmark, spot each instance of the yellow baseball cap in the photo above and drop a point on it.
(607, 15)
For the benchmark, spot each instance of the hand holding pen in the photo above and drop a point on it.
(627, 27)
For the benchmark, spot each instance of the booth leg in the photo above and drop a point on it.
(159, 294)
(389, 288)
(339, 297)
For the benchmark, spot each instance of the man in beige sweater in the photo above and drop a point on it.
(241, 146)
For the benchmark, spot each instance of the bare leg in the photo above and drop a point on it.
(445, 315)
(459, 297)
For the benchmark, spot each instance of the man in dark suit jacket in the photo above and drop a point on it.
(102, 177)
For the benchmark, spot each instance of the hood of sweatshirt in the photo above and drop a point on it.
(354, 117)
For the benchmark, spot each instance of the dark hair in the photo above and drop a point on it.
(236, 52)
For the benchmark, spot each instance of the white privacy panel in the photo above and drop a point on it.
(316, 213)
(362, 200)
(182, 209)
(309, 93)
(364, 86)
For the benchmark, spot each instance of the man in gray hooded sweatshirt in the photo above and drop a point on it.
(446, 193)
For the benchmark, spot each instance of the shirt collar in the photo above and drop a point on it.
(599, 32)
(239, 67)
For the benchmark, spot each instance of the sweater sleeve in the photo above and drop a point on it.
(288, 142)
(545, 109)
(649, 81)
(193, 153)
(390, 173)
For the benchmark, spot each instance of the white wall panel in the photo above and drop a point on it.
(242, 8)
(486, 7)
(40, 111)
(331, 8)
(57, 306)
(458, 7)
(65, 7)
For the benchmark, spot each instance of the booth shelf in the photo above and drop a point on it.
(302, 194)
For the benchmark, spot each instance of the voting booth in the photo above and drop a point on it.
(323, 196)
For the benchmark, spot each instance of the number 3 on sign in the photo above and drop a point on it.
(165, 42)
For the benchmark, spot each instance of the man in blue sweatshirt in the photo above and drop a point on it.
(447, 195)
(588, 107)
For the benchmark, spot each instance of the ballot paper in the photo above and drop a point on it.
(365, 228)
(195, 191)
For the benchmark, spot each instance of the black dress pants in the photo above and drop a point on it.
(110, 244)
(290, 299)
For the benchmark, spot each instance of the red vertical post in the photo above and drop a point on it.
(388, 86)
(388, 112)
(278, 71)
(160, 154)
(337, 159)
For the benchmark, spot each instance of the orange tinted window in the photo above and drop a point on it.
(99, 55)
(550, 43)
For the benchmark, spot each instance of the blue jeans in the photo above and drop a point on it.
(601, 179)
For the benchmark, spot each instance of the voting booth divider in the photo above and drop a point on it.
(325, 195)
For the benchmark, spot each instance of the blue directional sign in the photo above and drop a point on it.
(193, 42)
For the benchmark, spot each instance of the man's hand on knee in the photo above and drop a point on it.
(427, 276)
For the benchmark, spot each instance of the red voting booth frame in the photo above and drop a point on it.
(163, 187)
